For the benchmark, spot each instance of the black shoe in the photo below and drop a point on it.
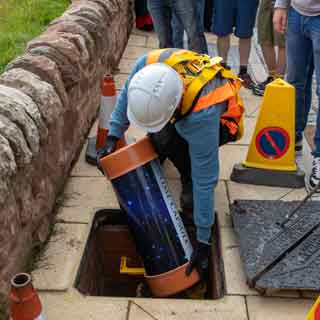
(246, 80)
(186, 197)
(258, 89)
(298, 146)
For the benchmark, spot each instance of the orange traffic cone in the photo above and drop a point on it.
(25, 302)
(108, 101)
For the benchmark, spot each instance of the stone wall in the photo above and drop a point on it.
(49, 97)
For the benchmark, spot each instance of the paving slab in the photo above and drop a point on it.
(133, 52)
(152, 42)
(253, 192)
(222, 204)
(137, 40)
(229, 155)
(120, 79)
(295, 194)
(84, 169)
(57, 266)
(235, 280)
(75, 214)
(231, 308)
(251, 102)
(74, 307)
(84, 191)
(126, 65)
(249, 126)
(261, 308)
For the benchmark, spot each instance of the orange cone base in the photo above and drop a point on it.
(172, 282)
(265, 177)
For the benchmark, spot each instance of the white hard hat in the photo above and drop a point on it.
(154, 93)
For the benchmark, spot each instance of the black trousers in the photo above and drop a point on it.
(169, 144)
(140, 7)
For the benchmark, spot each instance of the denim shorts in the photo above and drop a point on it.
(234, 14)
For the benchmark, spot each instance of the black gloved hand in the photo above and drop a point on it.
(199, 259)
(109, 147)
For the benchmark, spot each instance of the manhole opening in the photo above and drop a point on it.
(110, 239)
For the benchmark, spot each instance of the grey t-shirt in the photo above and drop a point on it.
(305, 7)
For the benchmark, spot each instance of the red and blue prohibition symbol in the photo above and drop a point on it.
(273, 142)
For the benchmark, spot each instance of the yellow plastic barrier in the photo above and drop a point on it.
(270, 159)
(272, 145)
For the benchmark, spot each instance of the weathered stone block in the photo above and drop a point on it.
(43, 67)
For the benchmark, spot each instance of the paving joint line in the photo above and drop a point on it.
(145, 311)
(247, 308)
(286, 194)
(128, 309)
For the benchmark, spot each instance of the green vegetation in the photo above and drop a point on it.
(37, 250)
(22, 20)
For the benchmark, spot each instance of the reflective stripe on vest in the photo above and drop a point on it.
(197, 70)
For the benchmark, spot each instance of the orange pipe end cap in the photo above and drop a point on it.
(172, 282)
(128, 158)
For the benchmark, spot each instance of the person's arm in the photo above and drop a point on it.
(119, 123)
(280, 15)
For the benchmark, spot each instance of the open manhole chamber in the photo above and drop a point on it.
(110, 240)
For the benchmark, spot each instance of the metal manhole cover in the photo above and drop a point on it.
(275, 257)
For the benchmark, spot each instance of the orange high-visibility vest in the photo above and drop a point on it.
(196, 71)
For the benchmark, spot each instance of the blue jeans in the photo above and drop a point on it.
(162, 12)
(177, 27)
(303, 57)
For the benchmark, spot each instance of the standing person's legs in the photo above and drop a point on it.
(177, 32)
(161, 13)
(185, 11)
(177, 27)
(207, 17)
(299, 67)
(265, 34)
(245, 20)
(312, 30)
(314, 23)
(268, 39)
(222, 25)
(143, 18)
(200, 6)
(281, 61)
(280, 43)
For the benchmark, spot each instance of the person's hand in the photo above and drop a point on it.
(199, 259)
(109, 147)
(280, 20)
